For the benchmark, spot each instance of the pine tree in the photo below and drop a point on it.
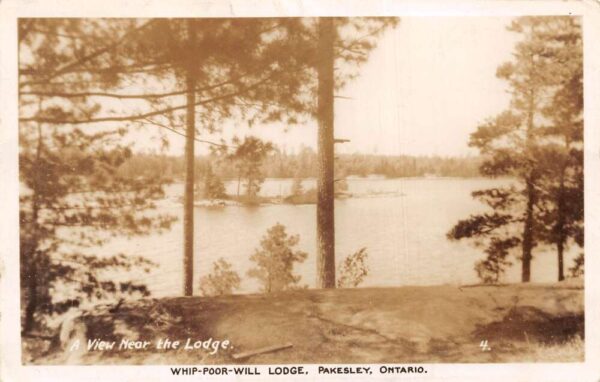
(275, 260)
(187, 71)
(226, 67)
(73, 197)
(514, 145)
(346, 41)
(213, 185)
(325, 143)
(562, 180)
(248, 156)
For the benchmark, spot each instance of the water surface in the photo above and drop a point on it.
(402, 223)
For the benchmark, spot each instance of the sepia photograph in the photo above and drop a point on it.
(398, 190)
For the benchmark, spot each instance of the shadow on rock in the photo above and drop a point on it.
(527, 323)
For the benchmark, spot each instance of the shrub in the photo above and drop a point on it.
(221, 281)
(353, 269)
(577, 269)
(307, 197)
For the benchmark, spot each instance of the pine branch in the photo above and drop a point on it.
(143, 115)
(154, 123)
(102, 94)
(46, 93)
(94, 70)
(66, 68)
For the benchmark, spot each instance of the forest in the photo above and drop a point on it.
(280, 164)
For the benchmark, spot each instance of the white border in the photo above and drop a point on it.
(10, 10)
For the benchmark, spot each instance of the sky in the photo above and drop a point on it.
(425, 88)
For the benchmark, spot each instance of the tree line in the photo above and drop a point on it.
(280, 164)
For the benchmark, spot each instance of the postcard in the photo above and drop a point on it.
(300, 190)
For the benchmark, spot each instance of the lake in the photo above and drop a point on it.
(401, 222)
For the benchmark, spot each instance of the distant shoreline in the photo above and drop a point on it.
(308, 197)
(366, 178)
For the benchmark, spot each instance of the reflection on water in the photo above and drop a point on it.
(401, 222)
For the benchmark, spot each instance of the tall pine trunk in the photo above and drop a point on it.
(325, 187)
(32, 246)
(528, 240)
(530, 179)
(560, 229)
(188, 198)
(528, 232)
(560, 225)
(31, 306)
(560, 247)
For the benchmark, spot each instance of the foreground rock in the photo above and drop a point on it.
(370, 325)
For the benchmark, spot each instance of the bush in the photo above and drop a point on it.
(306, 197)
(577, 269)
(353, 269)
(221, 281)
(275, 260)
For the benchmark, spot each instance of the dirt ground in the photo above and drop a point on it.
(511, 323)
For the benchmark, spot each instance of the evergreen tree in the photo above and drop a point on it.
(213, 185)
(514, 144)
(229, 67)
(342, 43)
(325, 155)
(248, 157)
(562, 176)
(275, 260)
(73, 196)
(185, 71)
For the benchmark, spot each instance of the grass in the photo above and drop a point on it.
(571, 350)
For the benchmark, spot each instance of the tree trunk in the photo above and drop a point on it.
(528, 232)
(32, 294)
(325, 197)
(561, 207)
(188, 198)
(528, 240)
(561, 266)
(32, 246)
(560, 226)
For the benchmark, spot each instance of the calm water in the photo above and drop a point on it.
(401, 222)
